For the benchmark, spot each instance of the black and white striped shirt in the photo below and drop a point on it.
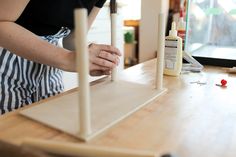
(23, 82)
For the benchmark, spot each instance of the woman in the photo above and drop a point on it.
(30, 57)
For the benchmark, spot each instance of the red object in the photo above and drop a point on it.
(223, 82)
(181, 13)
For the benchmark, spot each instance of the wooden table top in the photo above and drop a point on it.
(190, 120)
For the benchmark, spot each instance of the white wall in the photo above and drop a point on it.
(149, 26)
(135, 6)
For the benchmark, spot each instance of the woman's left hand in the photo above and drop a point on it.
(102, 59)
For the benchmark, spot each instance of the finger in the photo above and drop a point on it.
(99, 73)
(96, 73)
(108, 72)
(110, 49)
(109, 57)
(104, 63)
(98, 67)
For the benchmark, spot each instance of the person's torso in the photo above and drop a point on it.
(44, 17)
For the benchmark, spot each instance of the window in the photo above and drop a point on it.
(211, 31)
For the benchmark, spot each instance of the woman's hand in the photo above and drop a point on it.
(102, 59)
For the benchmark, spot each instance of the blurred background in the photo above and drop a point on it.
(210, 27)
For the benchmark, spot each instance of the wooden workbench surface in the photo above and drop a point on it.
(191, 120)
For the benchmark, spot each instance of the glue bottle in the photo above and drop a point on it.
(173, 53)
(181, 27)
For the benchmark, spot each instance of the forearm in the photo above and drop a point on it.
(29, 46)
(93, 14)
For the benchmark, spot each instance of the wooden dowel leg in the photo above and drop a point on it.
(113, 41)
(81, 26)
(84, 150)
(160, 51)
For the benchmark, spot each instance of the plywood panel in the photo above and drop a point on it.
(110, 103)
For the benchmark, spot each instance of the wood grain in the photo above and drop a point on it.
(191, 120)
(84, 150)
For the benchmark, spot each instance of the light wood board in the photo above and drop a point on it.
(110, 103)
(84, 150)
